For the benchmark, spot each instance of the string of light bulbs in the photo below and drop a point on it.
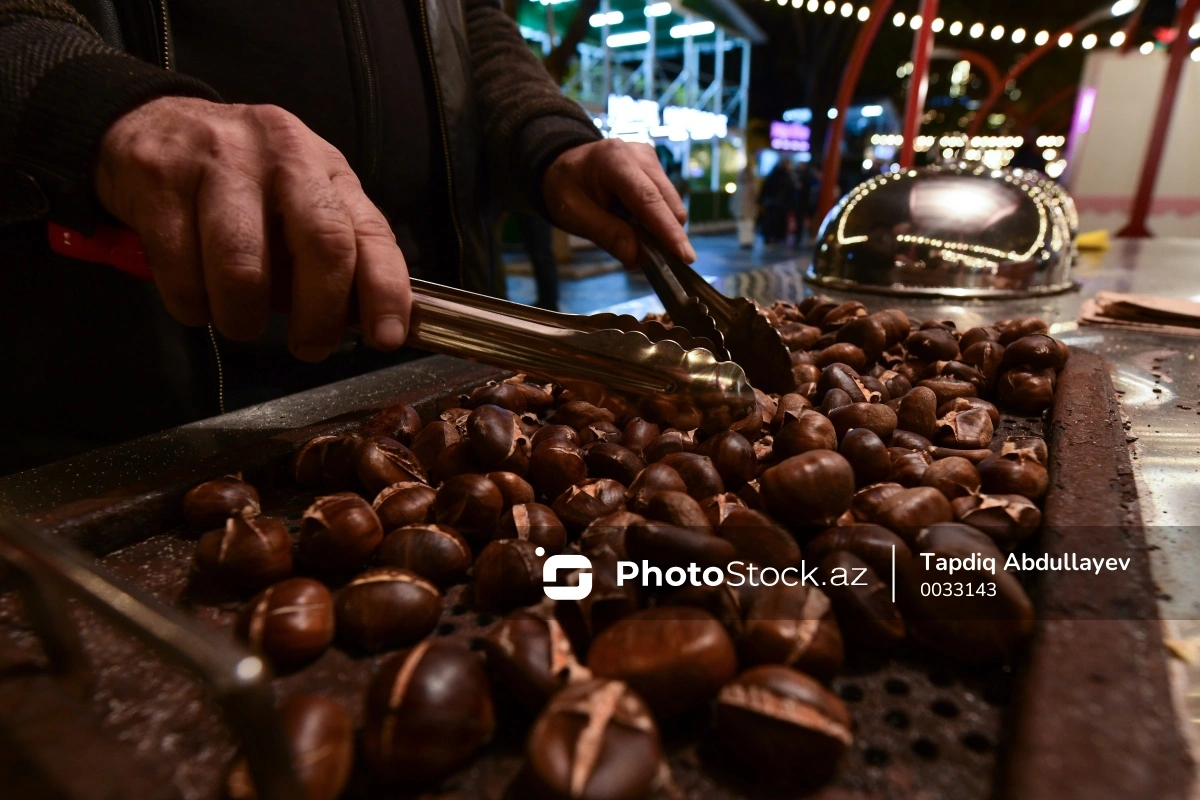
(981, 30)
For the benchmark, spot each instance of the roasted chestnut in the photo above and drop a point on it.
(605, 432)
(595, 739)
(399, 422)
(530, 658)
(674, 657)
(403, 504)
(555, 466)
(383, 462)
(946, 389)
(1013, 475)
(698, 473)
(666, 546)
(471, 504)
(499, 442)
(338, 532)
(780, 727)
(677, 508)
(810, 431)
(792, 625)
(434, 552)
(508, 574)
(667, 443)
(1013, 329)
(434, 438)
(1007, 518)
(953, 477)
(875, 417)
(811, 489)
(289, 623)
(320, 740)
(212, 502)
(843, 353)
(918, 412)
(513, 488)
(579, 414)
(386, 608)
(717, 507)
(1026, 392)
(654, 478)
(584, 502)
(638, 433)
(426, 713)
(978, 628)
(605, 460)
(969, 430)
(609, 531)
(548, 432)
(534, 523)
(733, 456)
(868, 456)
(758, 540)
(249, 552)
(908, 511)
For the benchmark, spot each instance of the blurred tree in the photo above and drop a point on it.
(559, 59)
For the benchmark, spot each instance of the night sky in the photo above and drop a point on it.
(802, 62)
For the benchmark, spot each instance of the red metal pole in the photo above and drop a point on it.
(915, 102)
(1180, 48)
(833, 151)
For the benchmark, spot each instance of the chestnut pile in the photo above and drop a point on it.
(886, 445)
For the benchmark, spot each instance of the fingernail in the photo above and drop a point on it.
(311, 353)
(689, 254)
(388, 333)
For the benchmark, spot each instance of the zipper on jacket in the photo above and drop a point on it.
(441, 116)
(370, 141)
(168, 63)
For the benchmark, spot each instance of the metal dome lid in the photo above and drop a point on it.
(954, 229)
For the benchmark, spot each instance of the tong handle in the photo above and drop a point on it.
(239, 681)
(498, 332)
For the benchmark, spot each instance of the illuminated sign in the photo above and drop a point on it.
(790, 136)
(800, 115)
(625, 111)
(638, 120)
(700, 125)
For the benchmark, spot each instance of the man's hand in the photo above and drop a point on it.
(581, 184)
(220, 193)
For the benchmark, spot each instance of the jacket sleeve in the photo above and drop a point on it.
(527, 121)
(61, 87)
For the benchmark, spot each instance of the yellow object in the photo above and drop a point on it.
(1092, 240)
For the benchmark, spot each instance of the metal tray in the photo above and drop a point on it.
(1087, 712)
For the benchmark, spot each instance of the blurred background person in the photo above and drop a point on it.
(778, 199)
(537, 236)
(745, 205)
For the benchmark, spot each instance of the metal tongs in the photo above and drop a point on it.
(664, 374)
(733, 324)
(667, 375)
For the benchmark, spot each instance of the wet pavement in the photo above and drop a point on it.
(719, 256)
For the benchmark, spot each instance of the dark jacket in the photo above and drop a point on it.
(92, 353)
